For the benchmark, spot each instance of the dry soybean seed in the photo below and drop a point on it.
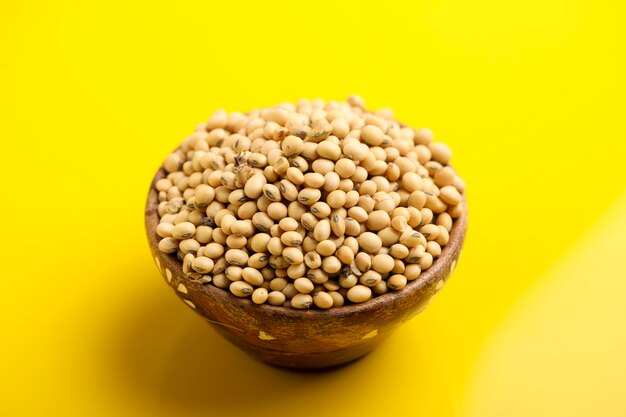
(378, 220)
(426, 261)
(337, 225)
(338, 299)
(345, 168)
(359, 293)
(165, 229)
(329, 150)
(184, 230)
(289, 291)
(254, 186)
(288, 190)
(336, 199)
(412, 271)
(433, 248)
(295, 176)
(443, 219)
(410, 238)
(320, 210)
(213, 250)
(304, 285)
(276, 298)
(292, 145)
(291, 238)
(369, 242)
(204, 234)
(309, 196)
(168, 245)
(277, 210)
(240, 227)
(370, 278)
(399, 251)
(326, 248)
(277, 284)
(363, 261)
(396, 282)
(234, 273)
(189, 246)
(358, 213)
(430, 231)
(293, 255)
(313, 179)
(322, 230)
(347, 281)
(312, 260)
(331, 264)
(450, 195)
(372, 135)
(445, 176)
(444, 236)
(202, 265)
(301, 301)
(382, 263)
(236, 257)
(271, 192)
(331, 181)
(259, 296)
(258, 260)
(288, 224)
(440, 152)
(241, 288)
(252, 276)
(345, 254)
(309, 221)
(353, 228)
(400, 223)
(323, 300)
(317, 276)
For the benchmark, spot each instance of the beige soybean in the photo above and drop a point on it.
(301, 301)
(293, 255)
(184, 230)
(378, 220)
(372, 135)
(292, 145)
(304, 285)
(396, 282)
(323, 300)
(382, 263)
(440, 152)
(168, 245)
(165, 229)
(259, 295)
(241, 288)
(276, 298)
(450, 195)
(271, 192)
(252, 276)
(370, 278)
(369, 242)
(359, 293)
(202, 264)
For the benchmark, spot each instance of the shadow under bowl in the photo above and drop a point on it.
(304, 339)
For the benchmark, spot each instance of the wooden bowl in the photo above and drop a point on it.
(304, 339)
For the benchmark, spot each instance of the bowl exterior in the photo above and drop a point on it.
(305, 339)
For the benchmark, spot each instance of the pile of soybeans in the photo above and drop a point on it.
(308, 204)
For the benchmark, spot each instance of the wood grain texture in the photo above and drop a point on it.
(304, 339)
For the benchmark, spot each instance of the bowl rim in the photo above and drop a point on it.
(449, 253)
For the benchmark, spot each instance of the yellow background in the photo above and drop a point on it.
(529, 94)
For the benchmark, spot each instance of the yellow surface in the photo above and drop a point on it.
(530, 95)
